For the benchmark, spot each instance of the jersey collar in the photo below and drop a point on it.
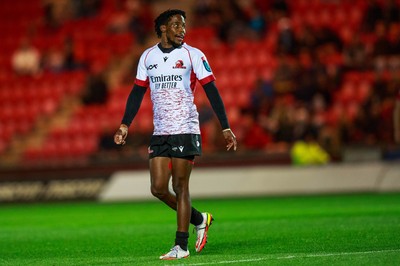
(167, 50)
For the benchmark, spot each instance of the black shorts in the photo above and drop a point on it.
(180, 146)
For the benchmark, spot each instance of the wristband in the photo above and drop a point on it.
(226, 129)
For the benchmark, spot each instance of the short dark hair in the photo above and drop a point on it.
(163, 18)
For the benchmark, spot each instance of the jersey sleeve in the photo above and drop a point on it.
(142, 79)
(201, 68)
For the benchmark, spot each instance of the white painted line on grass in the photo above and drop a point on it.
(340, 254)
(297, 256)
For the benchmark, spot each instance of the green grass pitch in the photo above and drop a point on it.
(359, 229)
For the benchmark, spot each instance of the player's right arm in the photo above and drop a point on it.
(133, 103)
(134, 100)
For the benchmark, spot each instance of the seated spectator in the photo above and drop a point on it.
(53, 60)
(283, 79)
(373, 14)
(262, 93)
(307, 151)
(251, 134)
(70, 61)
(382, 45)
(118, 21)
(286, 43)
(86, 8)
(26, 59)
(355, 54)
(391, 12)
(96, 90)
(279, 8)
(256, 21)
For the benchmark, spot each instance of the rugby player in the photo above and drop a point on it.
(171, 69)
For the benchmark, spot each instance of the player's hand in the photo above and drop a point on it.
(230, 139)
(121, 134)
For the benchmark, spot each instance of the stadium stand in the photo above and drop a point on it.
(303, 55)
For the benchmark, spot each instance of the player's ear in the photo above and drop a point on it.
(163, 28)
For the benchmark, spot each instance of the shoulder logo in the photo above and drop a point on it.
(152, 66)
(179, 64)
(205, 64)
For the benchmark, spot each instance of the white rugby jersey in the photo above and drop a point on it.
(172, 78)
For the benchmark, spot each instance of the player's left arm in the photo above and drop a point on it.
(219, 109)
(206, 78)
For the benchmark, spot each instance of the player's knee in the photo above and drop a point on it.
(179, 188)
(158, 191)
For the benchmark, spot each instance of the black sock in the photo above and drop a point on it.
(196, 218)
(182, 239)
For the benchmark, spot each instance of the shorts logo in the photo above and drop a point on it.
(179, 64)
(149, 150)
(197, 143)
(206, 65)
(180, 148)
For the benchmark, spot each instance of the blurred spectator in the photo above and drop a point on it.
(206, 12)
(283, 80)
(286, 43)
(327, 36)
(372, 14)
(262, 94)
(367, 122)
(391, 12)
(119, 19)
(26, 59)
(252, 135)
(301, 122)
(133, 16)
(305, 77)
(51, 21)
(279, 122)
(355, 54)
(209, 127)
(140, 23)
(70, 61)
(307, 151)
(279, 8)
(394, 38)
(381, 45)
(318, 112)
(86, 8)
(55, 13)
(232, 24)
(53, 60)
(96, 88)
(255, 18)
(306, 38)
(380, 86)
(58, 59)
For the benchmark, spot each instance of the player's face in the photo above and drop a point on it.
(175, 31)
